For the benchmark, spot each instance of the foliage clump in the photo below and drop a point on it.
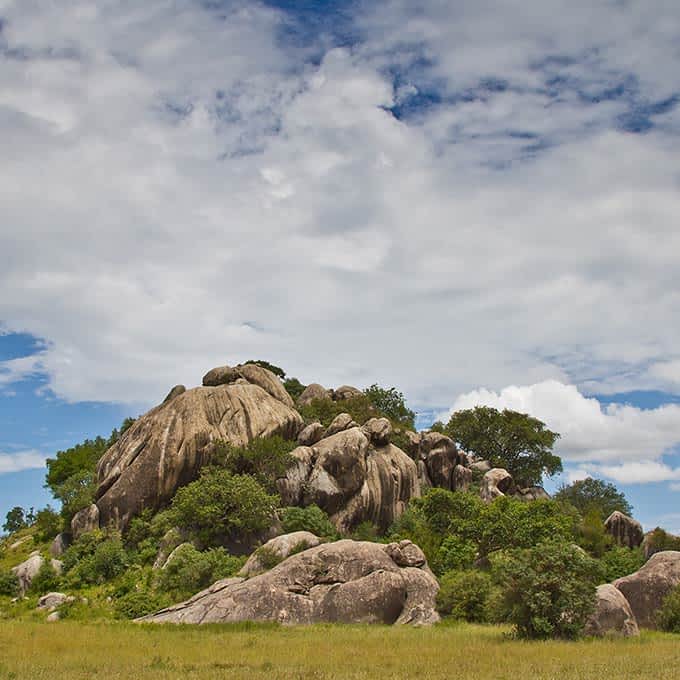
(668, 617)
(96, 557)
(9, 583)
(312, 519)
(594, 495)
(464, 595)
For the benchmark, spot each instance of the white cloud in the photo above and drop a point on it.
(16, 370)
(180, 189)
(617, 441)
(21, 460)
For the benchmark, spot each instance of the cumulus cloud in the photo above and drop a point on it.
(20, 460)
(180, 188)
(617, 441)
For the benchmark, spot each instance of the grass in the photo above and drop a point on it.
(77, 650)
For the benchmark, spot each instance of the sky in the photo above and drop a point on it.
(476, 202)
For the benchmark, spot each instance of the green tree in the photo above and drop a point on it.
(515, 441)
(392, 404)
(294, 387)
(620, 561)
(15, 520)
(549, 590)
(47, 524)
(312, 518)
(464, 594)
(591, 494)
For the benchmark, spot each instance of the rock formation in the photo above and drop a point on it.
(496, 482)
(625, 530)
(612, 615)
(647, 588)
(342, 582)
(165, 448)
(278, 549)
(29, 568)
(84, 521)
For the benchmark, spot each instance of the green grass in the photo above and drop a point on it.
(76, 650)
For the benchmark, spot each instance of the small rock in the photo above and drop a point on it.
(222, 375)
(313, 392)
(84, 521)
(53, 600)
(312, 434)
(378, 431)
(59, 545)
(346, 392)
(278, 548)
(341, 422)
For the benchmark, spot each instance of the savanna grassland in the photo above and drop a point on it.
(76, 650)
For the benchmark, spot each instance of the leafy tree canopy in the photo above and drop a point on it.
(515, 441)
(588, 495)
(15, 520)
(391, 403)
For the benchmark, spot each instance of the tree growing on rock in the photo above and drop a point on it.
(589, 494)
(511, 440)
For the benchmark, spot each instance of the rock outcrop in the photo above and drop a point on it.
(29, 568)
(251, 374)
(84, 521)
(496, 482)
(278, 549)
(612, 615)
(53, 600)
(165, 448)
(342, 582)
(647, 588)
(354, 476)
(313, 392)
(625, 530)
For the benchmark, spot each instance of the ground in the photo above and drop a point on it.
(77, 650)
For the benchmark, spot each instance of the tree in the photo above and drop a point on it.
(515, 441)
(588, 495)
(392, 404)
(294, 387)
(14, 520)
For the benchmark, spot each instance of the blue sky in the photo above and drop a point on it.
(475, 202)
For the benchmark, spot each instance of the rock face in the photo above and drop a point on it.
(165, 448)
(53, 600)
(59, 545)
(342, 582)
(312, 392)
(278, 549)
(625, 530)
(646, 589)
(352, 478)
(312, 434)
(28, 570)
(251, 373)
(84, 521)
(496, 482)
(612, 615)
(438, 459)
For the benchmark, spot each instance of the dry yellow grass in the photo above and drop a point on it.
(77, 650)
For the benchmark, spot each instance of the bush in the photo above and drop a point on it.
(190, 570)
(265, 459)
(47, 524)
(549, 590)
(391, 404)
(591, 534)
(46, 580)
(15, 520)
(668, 616)
(591, 494)
(366, 531)
(144, 534)
(619, 562)
(464, 595)
(9, 583)
(659, 540)
(294, 387)
(312, 518)
(413, 525)
(220, 506)
(140, 602)
(455, 553)
(95, 557)
(325, 410)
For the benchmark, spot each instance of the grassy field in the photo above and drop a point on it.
(77, 650)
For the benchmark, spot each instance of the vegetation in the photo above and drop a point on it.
(594, 495)
(669, 615)
(9, 583)
(391, 404)
(659, 540)
(511, 440)
(312, 518)
(325, 410)
(464, 595)
(15, 520)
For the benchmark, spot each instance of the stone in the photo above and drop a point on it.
(343, 421)
(647, 588)
(59, 545)
(256, 375)
(441, 457)
(482, 466)
(625, 530)
(278, 549)
(53, 600)
(166, 448)
(462, 478)
(222, 375)
(28, 570)
(496, 482)
(413, 443)
(346, 392)
(532, 493)
(174, 392)
(311, 434)
(313, 392)
(378, 431)
(53, 617)
(84, 521)
(406, 554)
(20, 542)
(342, 582)
(171, 540)
(612, 615)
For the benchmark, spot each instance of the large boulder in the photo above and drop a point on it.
(441, 457)
(352, 479)
(313, 433)
(84, 521)
(625, 530)
(165, 448)
(313, 392)
(276, 550)
(346, 392)
(29, 568)
(647, 588)
(496, 482)
(59, 545)
(250, 373)
(612, 615)
(343, 421)
(342, 582)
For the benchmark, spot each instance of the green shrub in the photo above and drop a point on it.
(95, 557)
(455, 553)
(294, 387)
(366, 531)
(620, 561)
(46, 580)
(312, 519)
(265, 459)
(668, 617)
(47, 524)
(591, 494)
(413, 525)
(190, 570)
(325, 410)
(144, 534)
(549, 590)
(9, 583)
(220, 506)
(391, 404)
(659, 540)
(464, 595)
(140, 602)
(591, 534)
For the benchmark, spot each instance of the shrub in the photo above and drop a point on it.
(144, 534)
(413, 525)
(324, 410)
(455, 553)
(190, 570)
(593, 494)
(366, 531)
(46, 580)
(619, 562)
(265, 459)
(219, 506)
(591, 534)
(464, 595)
(549, 590)
(140, 602)
(659, 540)
(15, 520)
(391, 404)
(294, 387)
(47, 524)
(94, 558)
(668, 617)
(9, 583)
(312, 518)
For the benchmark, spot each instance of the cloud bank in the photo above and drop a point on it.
(21, 460)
